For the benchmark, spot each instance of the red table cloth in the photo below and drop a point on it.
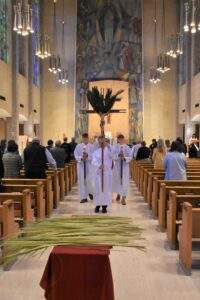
(78, 273)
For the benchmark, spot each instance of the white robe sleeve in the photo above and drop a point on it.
(128, 154)
(78, 154)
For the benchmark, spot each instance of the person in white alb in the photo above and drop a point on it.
(102, 175)
(122, 156)
(83, 155)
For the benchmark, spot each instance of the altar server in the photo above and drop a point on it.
(83, 155)
(122, 156)
(102, 172)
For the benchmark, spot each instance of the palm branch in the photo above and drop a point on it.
(102, 105)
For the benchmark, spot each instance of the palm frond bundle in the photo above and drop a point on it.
(76, 231)
(100, 103)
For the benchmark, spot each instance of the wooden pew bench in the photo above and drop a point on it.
(157, 185)
(23, 212)
(37, 192)
(189, 238)
(48, 193)
(56, 187)
(8, 226)
(174, 214)
(164, 197)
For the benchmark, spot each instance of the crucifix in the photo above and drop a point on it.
(102, 105)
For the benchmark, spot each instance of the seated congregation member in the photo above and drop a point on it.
(66, 146)
(102, 173)
(122, 156)
(3, 146)
(167, 145)
(159, 155)
(83, 154)
(153, 146)
(183, 145)
(72, 146)
(49, 145)
(36, 158)
(58, 154)
(143, 152)
(12, 161)
(175, 163)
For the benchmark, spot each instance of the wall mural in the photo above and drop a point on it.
(109, 46)
(4, 30)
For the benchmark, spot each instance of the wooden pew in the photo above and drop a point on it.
(61, 179)
(22, 206)
(164, 197)
(37, 190)
(70, 177)
(47, 188)
(174, 214)
(56, 187)
(8, 226)
(189, 235)
(156, 189)
(66, 178)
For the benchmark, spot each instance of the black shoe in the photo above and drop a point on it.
(97, 209)
(84, 201)
(104, 209)
(91, 196)
(118, 198)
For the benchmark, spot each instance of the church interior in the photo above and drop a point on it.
(129, 182)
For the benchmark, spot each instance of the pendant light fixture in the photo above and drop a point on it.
(163, 64)
(43, 48)
(154, 76)
(55, 60)
(191, 9)
(23, 18)
(63, 75)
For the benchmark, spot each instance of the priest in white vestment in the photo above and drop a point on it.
(122, 156)
(83, 155)
(102, 197)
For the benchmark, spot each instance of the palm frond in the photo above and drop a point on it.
(100, 103)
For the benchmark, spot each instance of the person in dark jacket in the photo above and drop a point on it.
(36, 158)
(153, 146)
(143, 152)
(49, 145)
(59, 154)
(182, 145)
(1, 167)
(66, 146)
(2, 146)
(72, 145)
(193, 150)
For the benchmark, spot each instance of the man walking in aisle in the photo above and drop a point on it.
(83, 155)
(122, 156)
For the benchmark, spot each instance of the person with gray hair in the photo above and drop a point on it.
(59, 154)
(159, 154)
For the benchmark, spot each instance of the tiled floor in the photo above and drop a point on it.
(152, 275)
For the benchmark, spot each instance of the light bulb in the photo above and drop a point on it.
(186, 28)
(193, 30)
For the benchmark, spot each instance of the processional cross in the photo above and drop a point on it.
(103, 106)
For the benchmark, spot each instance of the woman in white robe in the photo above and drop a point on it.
(83, 155)
(122, 157)
(102, 198)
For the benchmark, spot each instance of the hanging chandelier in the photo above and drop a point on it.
(154, 75)
(55, 64)
(43, 48)
(63, 77)
(175, 46)
(191, 16)
(23, 18)
(163, 63)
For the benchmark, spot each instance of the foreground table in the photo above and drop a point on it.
(78, 273)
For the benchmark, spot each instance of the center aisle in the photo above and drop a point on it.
(149, 275)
